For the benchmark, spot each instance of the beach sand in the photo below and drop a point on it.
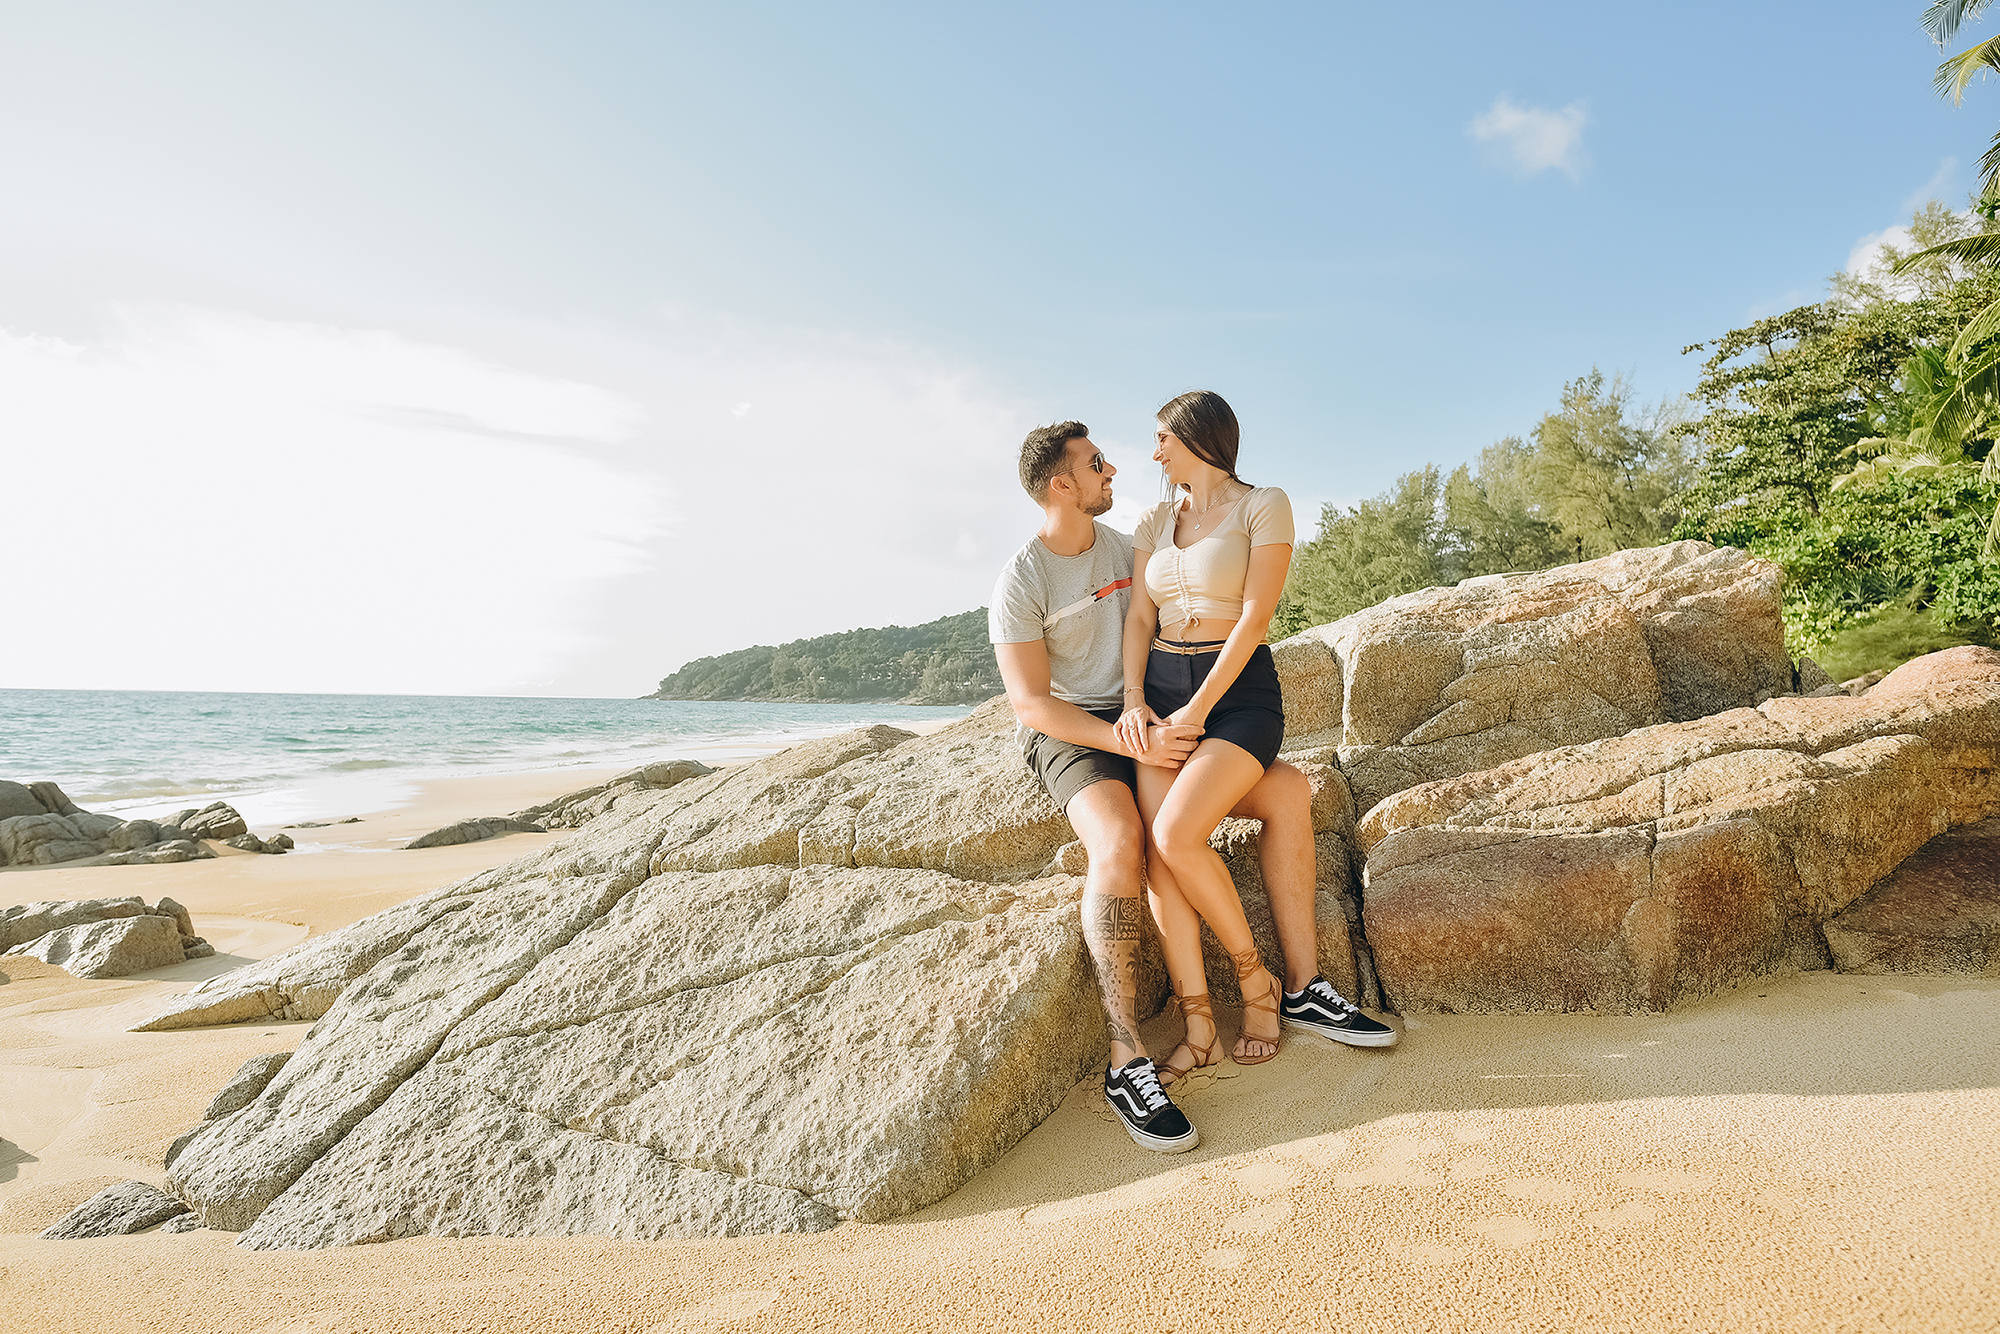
(1808, 1153)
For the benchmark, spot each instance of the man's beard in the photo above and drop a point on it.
(1101, 505)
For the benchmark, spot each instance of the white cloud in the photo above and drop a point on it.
(1531, 140)
(216, 502)
(1866, 260)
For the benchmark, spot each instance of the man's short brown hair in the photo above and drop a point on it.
(1045, 456)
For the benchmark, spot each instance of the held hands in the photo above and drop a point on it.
(1149, 740)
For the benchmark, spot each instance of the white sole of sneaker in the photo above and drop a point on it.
(1158, 1144)
(1388, 1039)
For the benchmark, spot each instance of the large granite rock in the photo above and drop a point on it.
(576, 809)
(1938, 912)
(1631, 873)
(1450, 681)
(217, 820)
(16, 799)
(831, 984)
(41, 826)
(129, 1206)
(118, 947)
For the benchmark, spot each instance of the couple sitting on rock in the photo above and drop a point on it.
(1150, 709)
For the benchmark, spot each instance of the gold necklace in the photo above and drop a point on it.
(1196, 516)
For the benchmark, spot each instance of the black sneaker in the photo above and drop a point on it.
(1322, 1010)
(1150, 1117)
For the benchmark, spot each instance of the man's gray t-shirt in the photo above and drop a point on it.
(1086, 647)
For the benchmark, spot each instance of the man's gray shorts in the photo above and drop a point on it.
(1066, 768)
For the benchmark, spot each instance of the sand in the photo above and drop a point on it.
(1809, 1153)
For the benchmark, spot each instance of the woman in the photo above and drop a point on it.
(1207, 569)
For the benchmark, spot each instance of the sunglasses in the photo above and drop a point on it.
(1095, 463)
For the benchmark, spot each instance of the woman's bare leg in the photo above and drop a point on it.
(1212, 781)
(1179, 924)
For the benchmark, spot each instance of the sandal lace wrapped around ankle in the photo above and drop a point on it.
(1247, 963)
(1196, 1004)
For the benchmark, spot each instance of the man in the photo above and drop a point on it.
(1057, 622)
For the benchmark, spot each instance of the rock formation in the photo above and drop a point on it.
(129, 1206)
(1453, 680)
(55, 830)
(1655, 867)
(473, 831)
(577, 809)
(835, 982)
(1938, 912)
(102, 937)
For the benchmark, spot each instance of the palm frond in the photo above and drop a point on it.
(1954, 72)
(1989, 169)
(1981, 249)
(1977, 330)
(1941, 20)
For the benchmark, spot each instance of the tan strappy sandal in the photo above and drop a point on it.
(1247, 963)
(1196, 1004)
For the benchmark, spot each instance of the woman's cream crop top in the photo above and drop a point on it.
(1205, 581)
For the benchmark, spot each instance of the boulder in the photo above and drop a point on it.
(52, 799)
(129, 1206)
(16, 799)
(187, 1222)
(1632, 873)
(697, 1016)
(465, 831)
(217, 820)
(1450, 681)
(25, 922)
(577, 809)
(244, 843)
(115, 948)
(44, 840)
(132, 834)
(177, 850)
(181, 917)
(1938, 912)
(278, 843)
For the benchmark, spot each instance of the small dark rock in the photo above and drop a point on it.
(247, 842)
(187, 1222)
(279, 843)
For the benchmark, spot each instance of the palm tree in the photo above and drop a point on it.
(1942, 21)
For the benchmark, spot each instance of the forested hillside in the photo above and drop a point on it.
(946, 661)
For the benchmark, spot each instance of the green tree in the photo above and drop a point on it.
(1606, 482)
(1394, 543)
(1943, 20)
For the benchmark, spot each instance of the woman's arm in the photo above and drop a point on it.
(1142, 621)
(1261, 588)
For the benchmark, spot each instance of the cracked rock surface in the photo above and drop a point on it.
(1633, 873)
(1450, 681)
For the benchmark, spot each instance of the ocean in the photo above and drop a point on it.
(279, 758)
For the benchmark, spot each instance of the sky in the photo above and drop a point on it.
(522, 349)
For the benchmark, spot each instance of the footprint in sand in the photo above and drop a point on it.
(1672, 1183)
(1258, 1219)
(1397, 1167)
(1264, 1178)
(1545, 1189)
(1428, 1253)
(721, 1309)
(1133, 1195)
(1224, 1257)
(1508, 1230)
(1474, 1168)
(1632, 1213)
(1319, 1151)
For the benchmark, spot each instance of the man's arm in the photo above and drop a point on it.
(1025, 669)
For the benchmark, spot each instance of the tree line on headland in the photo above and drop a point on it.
(1850, 441)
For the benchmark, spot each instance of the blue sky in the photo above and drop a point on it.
(537, 349)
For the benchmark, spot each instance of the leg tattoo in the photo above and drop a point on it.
(1111, 930)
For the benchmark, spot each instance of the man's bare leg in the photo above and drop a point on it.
(1282, 800)
(1106, 818)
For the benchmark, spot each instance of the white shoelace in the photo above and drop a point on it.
(1323, 989)
(1148, 1084)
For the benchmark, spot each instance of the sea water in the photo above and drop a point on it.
(278, 758)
